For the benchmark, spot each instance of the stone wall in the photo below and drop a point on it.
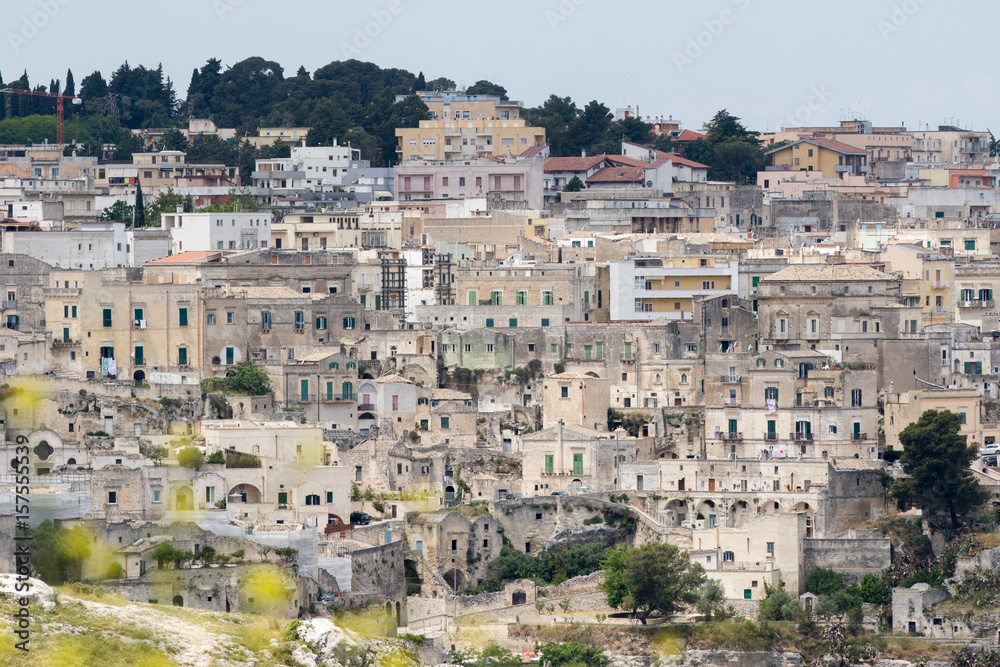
(853, 558)
(535, 524)
(379, 571)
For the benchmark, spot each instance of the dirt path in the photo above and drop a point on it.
(197, 644)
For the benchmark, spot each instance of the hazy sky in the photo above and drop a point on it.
(771, 62)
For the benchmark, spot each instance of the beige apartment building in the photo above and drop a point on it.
(903, 409)
(465, 139)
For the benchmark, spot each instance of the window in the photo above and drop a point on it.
(577, 464)
(828, 392)
(349, 323)
(112, 497)
(304, 390)
(182, 356)
(445, 422)
(512, 323)
(321, 323)
(265, 320)
(628, 350)
(547, 298)
(771, 394)
(182, 316)
(230, 317)
(209, 494)
(545, 321)
(856, 398)
(107, 318)
(564, 392)
(496, 298)
(489, 321)
(156, 496)
(210, 318)
(357, 473)
(770, 548)
(299, 319)
(548, 463)
(522, 298)
(728, 557)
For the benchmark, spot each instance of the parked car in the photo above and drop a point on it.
(361, 518)
(515, 496)
(990, 450)
(559, 493)
(990, 461)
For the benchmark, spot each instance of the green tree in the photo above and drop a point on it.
(250, 379)
(572, 653)
(837, 603)
(633, 130)
(190, 457)
(237, 200)
(725, 126)
(874, 590)
(118, 212)
(712, 599)
(936, 458)
(778, 605)
(655, 578)
(174, 140)
(167, 201)
(574, 185)
(57, 553)
(441, 83)
(139, 219)
(484, 87)
(823, 581)
(163, 553)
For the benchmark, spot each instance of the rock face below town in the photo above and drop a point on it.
(693, 658)
(327, 645)
(39, 591)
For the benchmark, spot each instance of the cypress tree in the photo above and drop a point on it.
(70, 84)
(139, 219)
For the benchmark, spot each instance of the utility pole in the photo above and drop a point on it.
(60, 112)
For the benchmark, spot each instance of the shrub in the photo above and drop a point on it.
(190, 457)
(217, 457)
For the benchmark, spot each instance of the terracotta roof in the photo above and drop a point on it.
(622, 160)
(190, 256)
(657, 163)
(391, 378)
(827, 272)
(572, 163)
(618, 175)
(533, 151)
(677, 159)
(823, 143)
(689, 135)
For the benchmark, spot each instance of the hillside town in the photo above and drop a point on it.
(449, 380)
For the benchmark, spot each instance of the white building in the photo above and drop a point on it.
(310, 168)
(217, 231)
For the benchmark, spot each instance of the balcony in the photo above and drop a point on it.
(56, 344)
(799, 435)
(730, 379)
(859, 436)
(977, 303)
(940, 285)
(731, 402)
(339, 398)
(732, 436)
(811, 335)
(366, 407)
(779, 335)
(138, 324)
(771, 436)
(8, 303)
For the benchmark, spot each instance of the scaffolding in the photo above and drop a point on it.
(393, 280)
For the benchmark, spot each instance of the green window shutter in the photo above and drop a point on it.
(73, 310)
(139, 356)
(282, 497)
(512, 323)
(445, 422)
(548, 464)
(472, 299)
(230, 355)
(182, 356)
(107, 317)
(329, 391)
(66, 311)
(65, 334)
(600, 350)
(489, 321)
(182, 316)
(734, 427)
(628, 350)
(304, 389)
(329, 497)
(545, 321)
(578, 464)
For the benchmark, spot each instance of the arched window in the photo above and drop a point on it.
(657, 378)
(684, 378)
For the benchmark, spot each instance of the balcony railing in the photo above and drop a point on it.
(366, 407)
(859, 436)
(732, 435)
(730, 379)
(780, 335)
(799, 435)
(770, 436)
(9, 303)
(338, 398)
(977, 303)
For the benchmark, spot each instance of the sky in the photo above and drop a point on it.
(773, 63)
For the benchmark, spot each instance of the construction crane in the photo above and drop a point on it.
(59, 105)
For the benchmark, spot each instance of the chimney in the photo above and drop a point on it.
(583, 153)
(180, 208)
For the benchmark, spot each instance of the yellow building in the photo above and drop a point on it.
(456, 105)
(902, 409)
(927, 279)
(462, 139)
(647, 288)
(832, 158)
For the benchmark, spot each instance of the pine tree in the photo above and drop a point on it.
(139, 219)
